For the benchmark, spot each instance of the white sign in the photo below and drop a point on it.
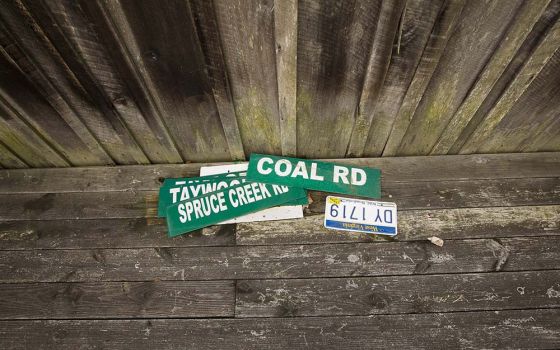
(276, 213)
(360, 215)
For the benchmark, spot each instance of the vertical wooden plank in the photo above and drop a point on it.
(63, 88)
(209, 36)
(437, 41)
(8, 160)
(334, 43)
(378, 64)
(34, 110)
(247, 40)
(171, 68)
(542, 54)
(521, 26)
(479, 32)
(285, 32)
(417, 21)
(74, 35)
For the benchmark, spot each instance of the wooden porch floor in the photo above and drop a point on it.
(84, 264)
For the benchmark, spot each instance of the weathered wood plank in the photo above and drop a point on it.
(171, 70)
(9, 160)
(34, 111)
(417, 21)
(334, 43)
(155, 299)
(75, 36)
(534, 329)
(105, 233)
(285, 33)
(63, 89)
(434, 168)
(527, 16)
(390, 15)
(413, 225)
(479, 31)
(286, 261)
(396, 295)
(536, 62)
(442, 30)
(247, 39)
(208, 32)
(407, 195)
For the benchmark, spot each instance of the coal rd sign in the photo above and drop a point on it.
(315, 175)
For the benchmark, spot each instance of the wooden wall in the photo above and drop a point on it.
(166, 81)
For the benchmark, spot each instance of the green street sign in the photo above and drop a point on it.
(228, 203)
(180, 189)
(315, 175)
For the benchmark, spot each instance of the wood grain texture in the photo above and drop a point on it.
(442, 30)
(407, 195)
(75, 36)
(456, 223)
(417, 21)
(286, 261)
(542, 54)
(334, 44)
(105, 233)
(208, 32)
(116, 300)
(535, 329)
(63, 88)
(286, 35)
(29, 108)
(172, 71)
(390, 15)
(417, 169)
(396, 295)
(524, 21)
(479, 32)
(248, 43)
(9, 160)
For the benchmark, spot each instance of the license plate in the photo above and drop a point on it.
(360, 215)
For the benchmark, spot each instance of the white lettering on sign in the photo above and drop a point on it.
(283, 168)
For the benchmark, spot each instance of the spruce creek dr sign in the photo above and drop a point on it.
(315, 175)
(228, 203)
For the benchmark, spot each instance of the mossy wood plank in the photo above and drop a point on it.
(524, 21)
(286, 35)
(352, 296)
(116, 300)
(417, 21)
(442, 30)
(150, 177)
(536, 62)
(334, 45)
(208, 32)
(407, 195)
(9, 160)
(285, 261)
(479, 31)
(455, 223)
(246, 30)
(390, 15)
(536, 329)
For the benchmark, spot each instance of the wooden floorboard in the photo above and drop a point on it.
(407, 195)
(287, 261)
(528, 329)
(396, 295)
(152, 299)
(146, 177)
